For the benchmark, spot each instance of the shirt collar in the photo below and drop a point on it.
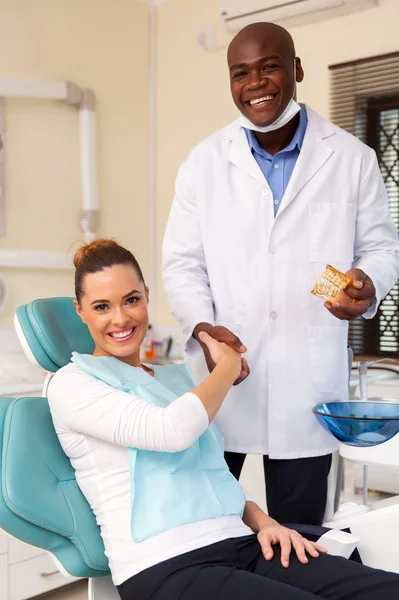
(296, 141)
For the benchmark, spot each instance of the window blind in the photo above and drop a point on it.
(364, 100)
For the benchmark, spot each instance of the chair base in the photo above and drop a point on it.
(102, 588)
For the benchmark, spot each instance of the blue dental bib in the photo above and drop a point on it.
(169, 489)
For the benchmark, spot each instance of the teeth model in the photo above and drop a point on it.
(336, 277)
(329, 290)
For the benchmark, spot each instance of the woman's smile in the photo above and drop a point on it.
(122, 335)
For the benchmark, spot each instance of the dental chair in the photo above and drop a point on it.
(40, 501)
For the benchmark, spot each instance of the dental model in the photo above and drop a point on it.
(330, 289)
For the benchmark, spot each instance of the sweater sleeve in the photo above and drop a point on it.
(83, 404)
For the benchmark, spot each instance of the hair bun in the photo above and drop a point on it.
(86, 249)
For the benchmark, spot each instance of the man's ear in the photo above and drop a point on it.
(78, 309)
(299, 70)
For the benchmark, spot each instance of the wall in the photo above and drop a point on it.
(103, 45)
(193, 90)
(107, 48)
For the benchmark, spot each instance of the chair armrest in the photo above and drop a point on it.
(339, 543)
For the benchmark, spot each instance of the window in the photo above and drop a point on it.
(365, 102)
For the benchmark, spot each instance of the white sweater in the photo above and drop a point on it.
(96, 424)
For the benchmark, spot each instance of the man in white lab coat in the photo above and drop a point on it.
(261, 207)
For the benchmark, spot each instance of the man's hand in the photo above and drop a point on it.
(356, 299)
(221, 334)
(289, 539)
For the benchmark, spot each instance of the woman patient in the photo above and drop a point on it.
(176, 524)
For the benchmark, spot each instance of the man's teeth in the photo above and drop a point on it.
(259, 100)
(122, 334)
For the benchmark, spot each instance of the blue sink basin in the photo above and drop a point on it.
(358, 423)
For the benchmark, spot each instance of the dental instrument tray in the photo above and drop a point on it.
(360, 423)
(335, 282)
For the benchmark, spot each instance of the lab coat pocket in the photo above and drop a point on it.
(332, 232)
(328, 357)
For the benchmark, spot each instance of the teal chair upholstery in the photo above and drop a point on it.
(22, 529)
(40, 500)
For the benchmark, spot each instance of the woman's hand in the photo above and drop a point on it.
(221, 352)
(289, 539)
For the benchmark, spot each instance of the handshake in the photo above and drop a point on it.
(228, 345)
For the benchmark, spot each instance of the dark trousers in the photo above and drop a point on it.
(236, 569)
(296, 489)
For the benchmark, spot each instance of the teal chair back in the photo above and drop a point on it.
(50, 330)
(40, 500)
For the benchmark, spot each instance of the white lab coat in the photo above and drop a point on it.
(228, 261)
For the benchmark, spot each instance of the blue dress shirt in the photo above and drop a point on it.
(278, 169)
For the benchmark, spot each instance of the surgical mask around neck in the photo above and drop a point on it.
(289, 113)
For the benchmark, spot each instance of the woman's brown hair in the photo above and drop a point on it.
(98, 255)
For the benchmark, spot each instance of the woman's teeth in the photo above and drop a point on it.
(260, 100)
(122, 334)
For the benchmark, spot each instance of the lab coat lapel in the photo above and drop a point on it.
(238, 152)
(314, 154)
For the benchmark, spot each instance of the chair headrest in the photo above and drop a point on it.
(40, 495)
(50, 330)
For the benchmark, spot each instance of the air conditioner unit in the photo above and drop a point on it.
(238, 13)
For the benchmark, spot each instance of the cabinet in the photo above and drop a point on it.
(3, 576)
(26, 571)
(3, 543)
